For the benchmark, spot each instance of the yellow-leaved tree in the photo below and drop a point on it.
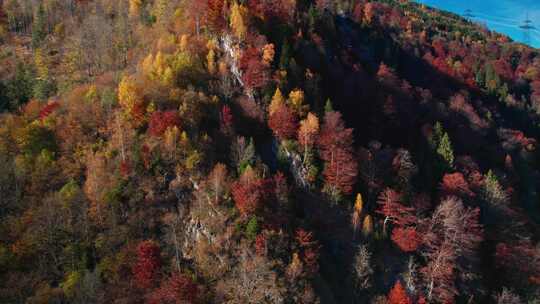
(135, 8)
(211, 62)
(268, 54)
(307, 133)
(238, 21)
(357, 213)
(367, 228)
(277, 101)
(130, 95)
(296, 102)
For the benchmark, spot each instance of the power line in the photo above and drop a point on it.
(527, 26)
(469, 14)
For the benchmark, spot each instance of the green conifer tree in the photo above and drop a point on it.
(328, 107)
(39, 31)
(445, 151)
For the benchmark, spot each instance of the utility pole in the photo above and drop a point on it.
(527, 26)
(468, 14)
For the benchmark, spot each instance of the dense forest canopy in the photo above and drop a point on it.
(265, 151)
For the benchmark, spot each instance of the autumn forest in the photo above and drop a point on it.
(265, 151)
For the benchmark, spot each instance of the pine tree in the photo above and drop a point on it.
(44, 85)
(492, 191)
(19, 89)
(328, 106)
(39, 30)
(437, 135)
(445, 151)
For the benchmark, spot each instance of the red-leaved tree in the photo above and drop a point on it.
(392, 208)
(160, 121)
(455, 184)
(178, 288)
(48, 109)
(249, 192)
(255, 73)
(309, 250)
(283, 122)
(226, 118)
(407, 239)
(147, 267)
(214, 15)
(398, 295)
(268, 9)
(335, 148)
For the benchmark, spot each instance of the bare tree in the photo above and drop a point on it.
(451, 237)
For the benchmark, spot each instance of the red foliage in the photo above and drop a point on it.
(358, 12)
(226, 117)
(512, 139)
(341, 172)
(161, 121)
(460, 105)
(407, 239)
(392, 208)
(196, 10)
(387, 75)
(504, 69)
(439, 48)
(309, 250)
(214, 15)
(335, 148)
(138, 113)
(455, 184)
(147, 267)
(304, 238)
(283, 122)
(260, 245)
(125, 168)
(178, 288)
(267, 9)
(48, 109)
(398, 295)
(249, 194)
(256, 73)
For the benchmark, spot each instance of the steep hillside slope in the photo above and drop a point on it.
(265, 151)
